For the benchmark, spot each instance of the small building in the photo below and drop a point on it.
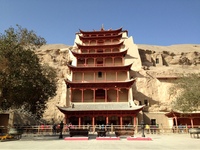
(190, 119)
(5, 121)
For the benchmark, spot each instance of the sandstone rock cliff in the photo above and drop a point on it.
(151, 87)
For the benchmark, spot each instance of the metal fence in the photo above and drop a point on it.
(49, 130)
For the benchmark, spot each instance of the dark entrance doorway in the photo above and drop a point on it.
(4, 118)
(100, 120)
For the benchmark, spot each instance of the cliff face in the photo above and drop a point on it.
(151, 86)
(57, 56)
(171, 55)
(160, 64)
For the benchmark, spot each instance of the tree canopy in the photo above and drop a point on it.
(188, 96)
(21, 37)
(23, 80)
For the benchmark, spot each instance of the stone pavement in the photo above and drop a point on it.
(161, 142)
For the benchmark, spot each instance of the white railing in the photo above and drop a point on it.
(48, 129)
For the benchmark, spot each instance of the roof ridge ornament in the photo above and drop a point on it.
(102, 27)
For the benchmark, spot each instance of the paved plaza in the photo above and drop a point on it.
(161, 142)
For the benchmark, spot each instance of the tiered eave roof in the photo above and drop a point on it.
(103, 54)
(102, 84)
(100, 46)
(100, 31)
(98, 68)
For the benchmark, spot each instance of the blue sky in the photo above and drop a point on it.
(153, 22)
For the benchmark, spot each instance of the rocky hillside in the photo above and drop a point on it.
(172, 55)
(157, 62)
(157, 76)
(56, 55)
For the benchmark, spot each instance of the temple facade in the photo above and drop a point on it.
(99, 83)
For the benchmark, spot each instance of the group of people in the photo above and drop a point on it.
(151, 128)
(59, 128)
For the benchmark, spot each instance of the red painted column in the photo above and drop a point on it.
(93, 123)
(79, 121)
(65, 120)
(192, 124)
(134, 121)
(135, 124)
(107, 120)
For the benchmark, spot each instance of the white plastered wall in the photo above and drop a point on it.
(132, 54)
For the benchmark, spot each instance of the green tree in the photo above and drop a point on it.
(21, 36)
(187, 93)
(23, 80)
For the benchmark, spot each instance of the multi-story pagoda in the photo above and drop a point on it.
(100, 86)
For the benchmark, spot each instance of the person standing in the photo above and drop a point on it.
(147, 127)
(61, 129)
(54, 129)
